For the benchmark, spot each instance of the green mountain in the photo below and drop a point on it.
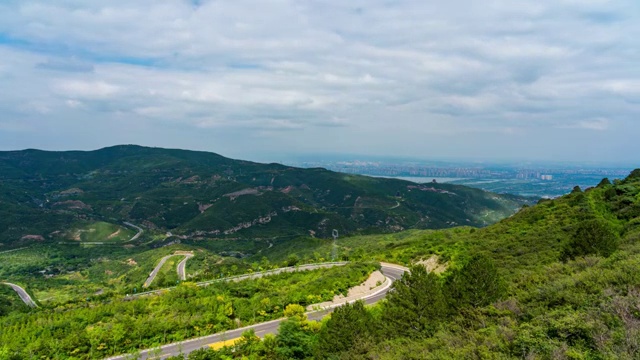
(558, 280)
(200, 195)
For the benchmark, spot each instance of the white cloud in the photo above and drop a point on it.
(595, 124)
(363, 69)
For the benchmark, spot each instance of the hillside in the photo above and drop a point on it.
(559, 280)
(198, 195)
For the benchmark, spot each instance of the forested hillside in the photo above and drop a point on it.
(559, 280)
(60, 196)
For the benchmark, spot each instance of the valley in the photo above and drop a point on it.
(109, 286)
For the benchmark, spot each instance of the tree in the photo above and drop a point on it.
(604, 182)
(476, 284)
(294, 339)
(294, 310)
(348, 325)
(591, 237)
(415, 306)
(292, 260)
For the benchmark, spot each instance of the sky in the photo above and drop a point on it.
(260, 80)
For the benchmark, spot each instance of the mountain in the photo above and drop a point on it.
(558, 280)
(198, 195)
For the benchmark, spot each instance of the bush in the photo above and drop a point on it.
(348, 325)
(476, 284)
(591, 237)
(416, 306)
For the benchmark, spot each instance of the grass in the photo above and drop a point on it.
(100, 232)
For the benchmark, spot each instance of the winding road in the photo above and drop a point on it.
(391, 271)
(23, 295)
(182, 273)
(255, 275)
(136, 236)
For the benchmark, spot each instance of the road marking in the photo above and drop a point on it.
(226, 343)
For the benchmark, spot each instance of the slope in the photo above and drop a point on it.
(204, 195)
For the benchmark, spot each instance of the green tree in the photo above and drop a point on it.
(477, 283)
(294, 339)
(604, 182)
(161, 279)
(292, 260)
(415, 306)
(591, 237)
(349, 325)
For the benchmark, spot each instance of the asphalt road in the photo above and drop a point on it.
(391, 271)
(23, 295)
(136, 236)
(248, 276)
(155, 271)
(182, 274)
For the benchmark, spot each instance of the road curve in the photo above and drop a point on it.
(391, 271)
(23, 295)
(156, 270)
(182, 274)
(255, 275)
(136, 236)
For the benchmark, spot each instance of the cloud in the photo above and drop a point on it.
(70, 65)
(593, 124)
(368, 74)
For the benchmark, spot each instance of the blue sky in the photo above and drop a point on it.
(535, 80)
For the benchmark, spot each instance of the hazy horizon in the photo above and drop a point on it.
(296, 159)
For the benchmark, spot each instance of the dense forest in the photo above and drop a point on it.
(78, 197)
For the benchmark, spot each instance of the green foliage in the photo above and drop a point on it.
(605, 182)
(416, 306)
(476, 284)
(292, 260)
(203, 195)
(294, 340)
(510, 296)
(349, 326)
(591, 237)
(115, 326)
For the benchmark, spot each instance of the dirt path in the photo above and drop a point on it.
(114, 234)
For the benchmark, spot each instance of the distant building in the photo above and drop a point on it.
(546, 177)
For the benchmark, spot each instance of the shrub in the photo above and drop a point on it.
(591, 237)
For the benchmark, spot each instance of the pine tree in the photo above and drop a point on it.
(415, 306)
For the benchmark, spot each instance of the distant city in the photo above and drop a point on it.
(527, 180)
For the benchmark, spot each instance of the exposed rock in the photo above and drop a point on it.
(72, 205)
(203, 207)
(33, 237)
(433, 264)
(71, 192)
